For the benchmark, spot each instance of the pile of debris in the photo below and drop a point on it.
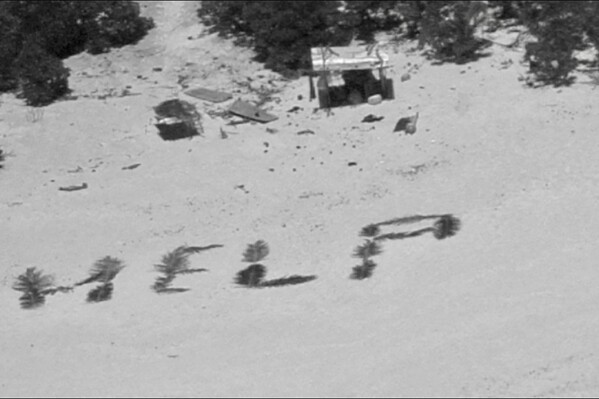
(177, 119)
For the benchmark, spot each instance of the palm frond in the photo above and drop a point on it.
(195, 250)
(256, 252)
(174, 262)
(101, 293)
(103, 270)
(33, 281)
(177, 262)
(290, 280)
(368, 249)
(371, 230)
(162, 283)
(32, 300)
(408, 219)
(191, 271)
(251, 276)
(446, 226)
(54, 290)
(401, 236)
(363, 271)
(33, 284)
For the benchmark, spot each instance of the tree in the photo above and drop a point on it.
(42, 76)
(281, 32)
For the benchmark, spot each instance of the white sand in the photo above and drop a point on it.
(507, 307)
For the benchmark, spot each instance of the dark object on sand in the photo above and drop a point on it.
(177, 119)
(209, 95)
(135, 165)
(251, 276)
(307, 131)
(249, 111)
(295, 109)
(446, 226)
(372, 118)
(407, 124)
(74, 188)
(291, 280)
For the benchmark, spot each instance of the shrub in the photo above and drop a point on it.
(35, 35)
(281, 32)
(370, 16)
(449, 26)
(10, 46)
(42, 76)
(116, 24)
(560, 28)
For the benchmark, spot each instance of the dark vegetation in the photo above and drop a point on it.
(282, 33)
(36, 35)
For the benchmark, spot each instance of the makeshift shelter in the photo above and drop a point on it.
(346, 75)
(176, 119)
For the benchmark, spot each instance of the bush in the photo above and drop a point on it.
(449, 26)
(10, 46)
(281, 32)
(47, 31)
(560, 29)
(42, 77)
(371, 16)
(117, 24)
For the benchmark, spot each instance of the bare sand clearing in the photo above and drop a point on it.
(507, 307)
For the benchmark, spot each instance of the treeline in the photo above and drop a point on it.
(282, 32)
(35, 36)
